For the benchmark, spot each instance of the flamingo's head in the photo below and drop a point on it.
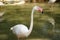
(38, 9)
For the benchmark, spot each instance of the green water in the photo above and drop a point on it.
(21, 15)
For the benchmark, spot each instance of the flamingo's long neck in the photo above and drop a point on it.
(31, 24)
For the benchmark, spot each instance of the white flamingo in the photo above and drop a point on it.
(1, 3)
(19, 3)
(20, 30)
(51, 2)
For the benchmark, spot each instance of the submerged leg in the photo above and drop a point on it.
(18, 37)
(23, 38)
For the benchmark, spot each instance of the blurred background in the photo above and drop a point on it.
(29, 1)
(46, 26)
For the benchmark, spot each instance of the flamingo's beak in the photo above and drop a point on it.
(42, 12)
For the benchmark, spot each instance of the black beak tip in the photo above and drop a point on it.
(42, 12)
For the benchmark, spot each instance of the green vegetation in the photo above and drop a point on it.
(21, 15)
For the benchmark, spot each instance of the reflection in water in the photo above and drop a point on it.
(49, 26)
(50, 20)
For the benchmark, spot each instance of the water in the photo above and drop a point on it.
(45, 26)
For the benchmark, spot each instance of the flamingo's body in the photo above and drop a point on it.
(20, 30)
(21, 2)
(1, 3)
(52, 1)
(51, 4)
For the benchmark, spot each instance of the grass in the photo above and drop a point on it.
(21, 15)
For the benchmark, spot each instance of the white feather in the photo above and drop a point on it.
(52, 1)
(1, 3)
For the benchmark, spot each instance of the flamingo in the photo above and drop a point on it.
(20, 30)
(51, 5)
(51, 2)
(19, 3)
(1, 3)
